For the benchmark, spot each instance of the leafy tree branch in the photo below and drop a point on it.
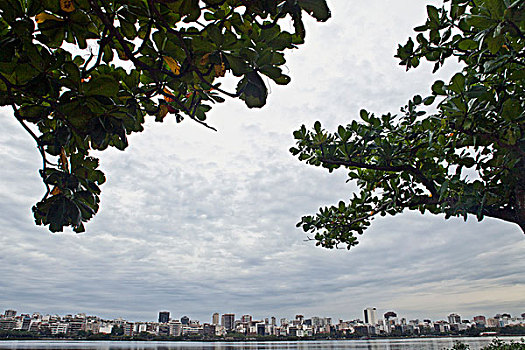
(75, 98)
(467, 158)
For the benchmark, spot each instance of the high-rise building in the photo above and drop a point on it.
(228, 321)
(246, 318)
(175, 328)
(164, 317)
(370, 315)
(261, 329)
(480, 320)
(215, 318)
(26, 322)
(163, 330)
(10, 313)
(299, 319)
(209, 329)
(185, 320)
(454, 319)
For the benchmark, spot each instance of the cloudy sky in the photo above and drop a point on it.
(196, 222)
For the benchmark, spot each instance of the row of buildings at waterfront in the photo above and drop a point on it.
(222, 325)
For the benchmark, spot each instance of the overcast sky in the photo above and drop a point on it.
(195, 222)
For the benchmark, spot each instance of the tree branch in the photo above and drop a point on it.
(191, 114)
(39, 146)
(137, 62)
(400, 168)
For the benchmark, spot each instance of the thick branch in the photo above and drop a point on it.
(505, 214)
(400, 168)
(494, 139)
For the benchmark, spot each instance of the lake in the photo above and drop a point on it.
(373, 344)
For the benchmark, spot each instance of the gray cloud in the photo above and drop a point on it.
(198, 222)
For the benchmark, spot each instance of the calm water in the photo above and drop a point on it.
(377, 344)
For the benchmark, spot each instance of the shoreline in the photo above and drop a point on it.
(252, 340)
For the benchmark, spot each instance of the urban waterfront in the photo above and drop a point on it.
(228, 327)
(475, 343)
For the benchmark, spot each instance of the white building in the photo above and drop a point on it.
(175, 328)
(58, 328)
(370, 315)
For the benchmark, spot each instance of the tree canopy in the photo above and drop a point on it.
(81, 75)
(459, 151)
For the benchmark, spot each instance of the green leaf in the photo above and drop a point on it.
(316, 8)
(433, 14)
(341, 131)
(271, 71)
(107, 54)
(253, 90)
(496, 8)
(104, 85)
(71, 69)
(517, 75)
(480, 22)
(237, 65)
(364, 115)
(495, 43)
(457, 83)
(429, 100)
(128, 29)
(282, 80)
(443, 190)
(468, 44)
(215, 34)
(191, 9)
(511, 110)
(438, 88)
(51, 5)
(33, 112)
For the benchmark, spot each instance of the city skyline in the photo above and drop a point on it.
(230, 326)
(195, 221)
(166, 316)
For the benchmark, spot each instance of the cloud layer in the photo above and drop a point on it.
(197, 222)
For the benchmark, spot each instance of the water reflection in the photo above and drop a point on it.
(376, 344)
